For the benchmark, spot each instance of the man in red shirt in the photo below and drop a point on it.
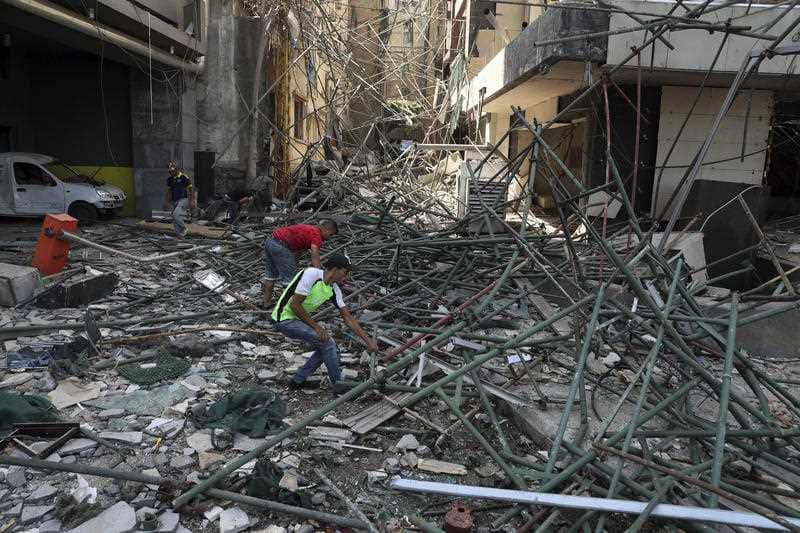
(281, 251)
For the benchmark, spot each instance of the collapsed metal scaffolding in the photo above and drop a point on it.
(618, 292)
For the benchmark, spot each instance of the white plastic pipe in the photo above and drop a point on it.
(662, 510)
(69, 236)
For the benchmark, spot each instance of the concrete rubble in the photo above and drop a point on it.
(364, 444)
(582, 353)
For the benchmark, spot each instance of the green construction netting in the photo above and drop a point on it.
(167, 367)
(21, 409)
(255, 412)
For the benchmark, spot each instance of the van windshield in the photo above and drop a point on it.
(66, 173)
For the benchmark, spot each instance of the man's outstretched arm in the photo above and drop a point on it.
(356, 328)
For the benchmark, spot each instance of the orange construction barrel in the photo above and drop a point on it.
(51, 252)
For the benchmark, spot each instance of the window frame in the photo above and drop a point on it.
(298, 129)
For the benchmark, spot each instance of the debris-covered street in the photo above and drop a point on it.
(399, 266)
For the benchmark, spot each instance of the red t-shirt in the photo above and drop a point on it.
(299, 237)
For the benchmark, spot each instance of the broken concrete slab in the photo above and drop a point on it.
(168, 521)
(111, 413)
(50, 526)
(75, 446)
(15, 380)
(34, 513)
(14, 511)
(200, 441)
(181, 462)
(71, 391)
(144, 402)
(44, 492)
(17, 284)
(119, 518)
(206, 459)
(243, 443)
(407, 442)
(15, 477)
(233, 520)
(128, 437)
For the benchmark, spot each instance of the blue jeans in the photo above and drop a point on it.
(324, 352)
(179, 216)
(279, 260)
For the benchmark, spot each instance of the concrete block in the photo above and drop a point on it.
(118, 518)
(79, 291)
(17, 283)
(32, 513)
(127, 437)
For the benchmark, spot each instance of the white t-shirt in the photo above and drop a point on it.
(312, 275)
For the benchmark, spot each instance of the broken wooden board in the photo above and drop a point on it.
(335, 434)
(192, 229)
(375, 415)
(441, 467)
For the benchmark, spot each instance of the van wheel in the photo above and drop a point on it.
(84, 212)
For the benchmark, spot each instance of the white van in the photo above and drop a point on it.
(29, 187)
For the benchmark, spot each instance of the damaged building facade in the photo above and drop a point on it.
(59, 60)
(654, 106)
(175, 82)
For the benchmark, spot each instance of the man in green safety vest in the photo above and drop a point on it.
(308, 290)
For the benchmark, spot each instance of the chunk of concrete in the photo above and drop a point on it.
(16, 510)
(51, 526)
(16, 477)
(79, 291)
(32, 513)
(233, 520)
(128, 437)
(206, 459)
(181, 461)
(144, 402)
(17, 283)
(119, 518)
(76, 446)
(168, 522)
(407, 442)
(42, 493)
(200, 441)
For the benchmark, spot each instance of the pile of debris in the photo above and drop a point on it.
(585, 364)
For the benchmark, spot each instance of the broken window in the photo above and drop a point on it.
(408, 33)
(30, 174)
(299, 117)
(192, 19)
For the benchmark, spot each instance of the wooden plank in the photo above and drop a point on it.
(193, 229)
(326, 433)
(375, 415)
(441, 467)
